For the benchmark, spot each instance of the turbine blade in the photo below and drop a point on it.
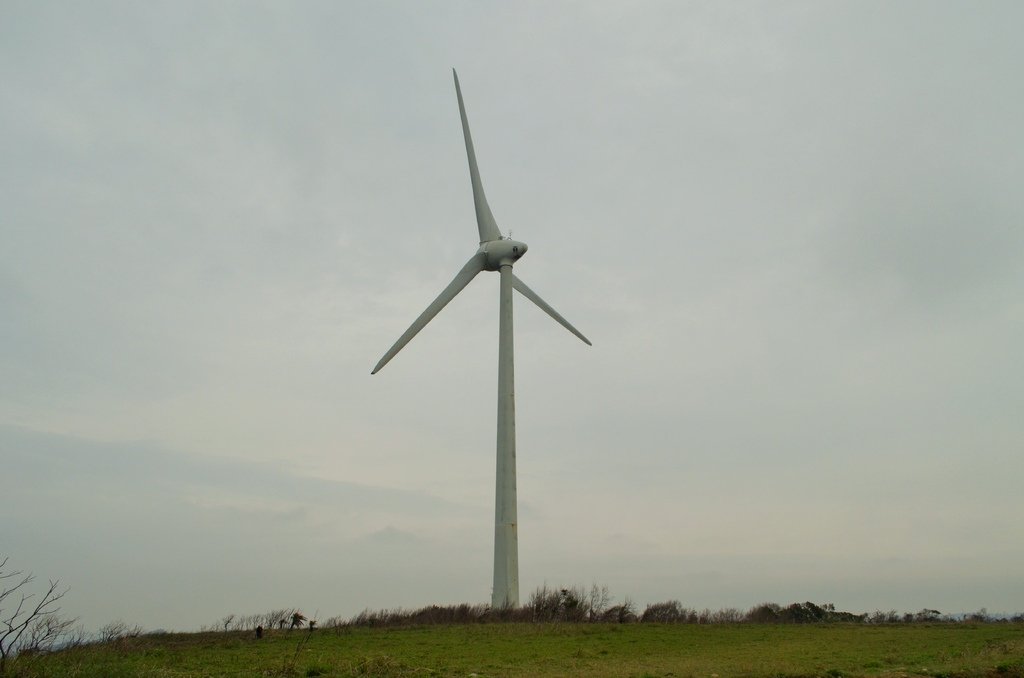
(463, 278)
(544, 306)
(484, 219)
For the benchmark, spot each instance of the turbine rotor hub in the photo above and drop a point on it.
(502, 253)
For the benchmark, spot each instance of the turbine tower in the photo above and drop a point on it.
(496, 253)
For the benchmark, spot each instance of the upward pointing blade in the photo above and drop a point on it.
(544, 306)
(462, 278)
(484, 219)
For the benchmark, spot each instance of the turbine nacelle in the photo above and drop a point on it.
(504, 252)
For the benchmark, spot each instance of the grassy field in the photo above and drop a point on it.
(491, 650)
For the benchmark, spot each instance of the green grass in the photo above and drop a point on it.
(491, 650)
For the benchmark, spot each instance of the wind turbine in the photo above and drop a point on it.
(496, 253)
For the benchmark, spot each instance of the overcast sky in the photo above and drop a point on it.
(794, 232)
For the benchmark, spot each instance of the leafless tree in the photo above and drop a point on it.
(597, 602)
(28, 622)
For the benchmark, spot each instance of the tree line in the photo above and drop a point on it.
(579, 604)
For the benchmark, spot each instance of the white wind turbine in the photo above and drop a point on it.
(496, 253)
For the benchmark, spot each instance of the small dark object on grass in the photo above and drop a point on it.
(259, 632)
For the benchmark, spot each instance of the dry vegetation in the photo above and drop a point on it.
(559, 632)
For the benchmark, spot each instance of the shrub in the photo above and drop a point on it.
(668, 612)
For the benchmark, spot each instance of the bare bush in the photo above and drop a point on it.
(450, 614)
(574, 604)
(112, 631)
(562, 605)
(924, 616)
(432, 614)
(620, 614)
(118, 630)
(728, 615)
(544, 603)
(598, 601)
(248, 622)
(981, 616)
(802, 613)
(578, 604)
(668, 612)
(334, 622)
(28, 623)
(879, 617)
(765, 613)
(375, 618)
